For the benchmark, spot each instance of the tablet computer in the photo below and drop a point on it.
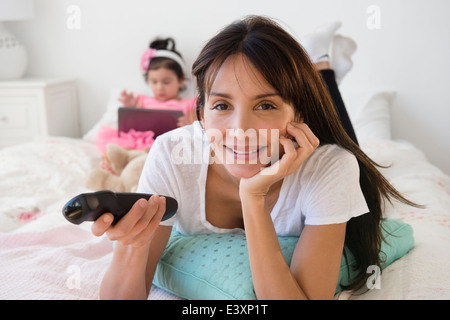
(139, 119)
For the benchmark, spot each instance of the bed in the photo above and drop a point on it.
(42, 256)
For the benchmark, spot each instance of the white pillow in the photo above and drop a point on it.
(109, 118)
(370, 114)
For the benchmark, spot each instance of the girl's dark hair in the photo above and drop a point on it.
(161, 62)
(284, 64)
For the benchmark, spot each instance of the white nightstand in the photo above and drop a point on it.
(35, 107)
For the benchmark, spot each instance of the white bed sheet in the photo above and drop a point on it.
(42, 256)
(423, 272)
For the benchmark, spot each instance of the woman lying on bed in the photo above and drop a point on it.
(255, 77)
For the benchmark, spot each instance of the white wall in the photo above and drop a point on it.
(409, 54)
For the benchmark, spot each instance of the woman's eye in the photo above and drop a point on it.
(266, 106)
(220, 107)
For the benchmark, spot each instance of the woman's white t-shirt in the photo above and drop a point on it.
(325, 190)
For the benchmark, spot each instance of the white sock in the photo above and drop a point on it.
(342, 50)
(317, 44)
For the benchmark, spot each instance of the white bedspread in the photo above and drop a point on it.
(42, 256)
(423, 273)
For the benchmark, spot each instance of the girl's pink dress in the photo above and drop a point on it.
(141, 139)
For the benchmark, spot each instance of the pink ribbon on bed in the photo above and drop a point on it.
(148, 55)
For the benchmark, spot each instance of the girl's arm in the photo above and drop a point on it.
(314, 268)
(129, 100)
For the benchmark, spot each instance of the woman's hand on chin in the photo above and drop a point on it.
(292, 159)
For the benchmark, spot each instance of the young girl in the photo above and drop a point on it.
(254, 77)
(164, 71)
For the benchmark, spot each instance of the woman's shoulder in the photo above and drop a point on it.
(181, 143)
(330, 159)
(193, 130)
(332, 152)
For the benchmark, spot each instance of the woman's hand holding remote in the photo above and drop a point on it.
(137, 227)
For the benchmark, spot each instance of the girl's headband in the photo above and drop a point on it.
(149, 54)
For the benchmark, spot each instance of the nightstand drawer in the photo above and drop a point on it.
(17, 118)
(36, 107)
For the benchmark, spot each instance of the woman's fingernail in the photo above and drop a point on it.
(107, 219)
(142, 203)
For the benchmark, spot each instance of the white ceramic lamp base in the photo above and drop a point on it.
(13, 57)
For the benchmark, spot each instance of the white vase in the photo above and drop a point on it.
(13, 57)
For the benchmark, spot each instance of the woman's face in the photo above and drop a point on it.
(164, 84)
(244, 117)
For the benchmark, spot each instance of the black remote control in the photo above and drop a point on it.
(90, 206)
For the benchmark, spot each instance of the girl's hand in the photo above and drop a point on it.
(137, 227)
(292, 159)
(183, 121)
(128, 99)
(188, 118)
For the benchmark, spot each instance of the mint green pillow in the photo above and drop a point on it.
(216, 266)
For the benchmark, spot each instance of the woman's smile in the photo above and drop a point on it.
(247, 153)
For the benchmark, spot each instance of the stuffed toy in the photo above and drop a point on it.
(120, 170)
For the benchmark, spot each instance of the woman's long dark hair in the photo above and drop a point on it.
(284, 64)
